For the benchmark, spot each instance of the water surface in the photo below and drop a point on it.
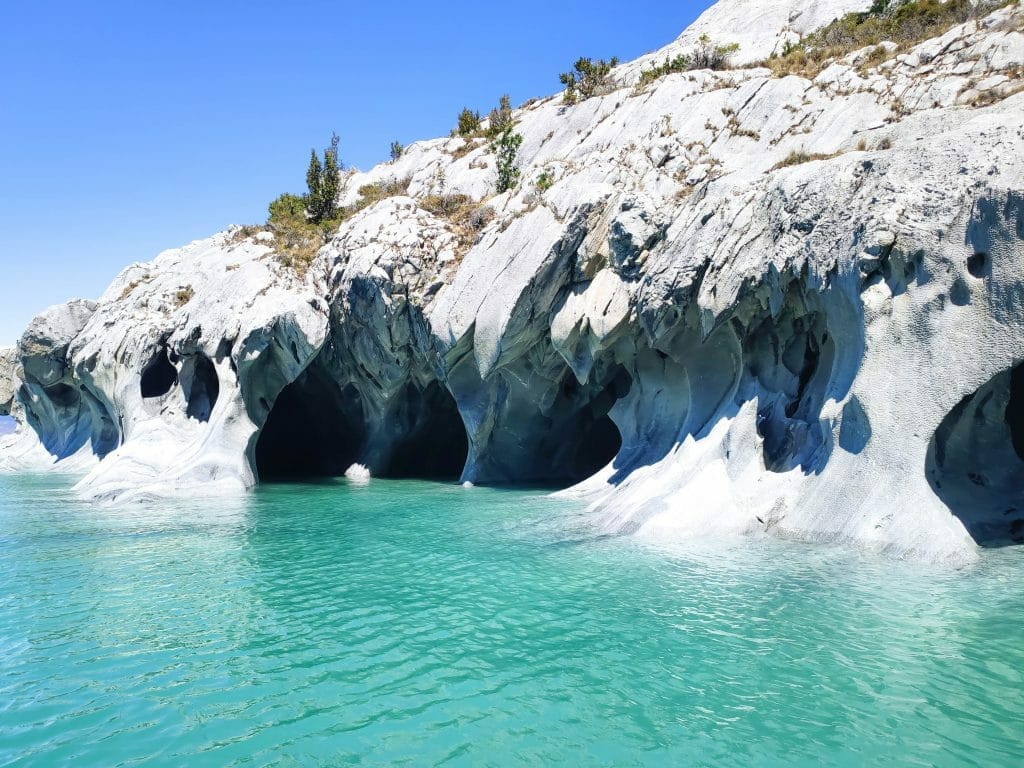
(421, 624)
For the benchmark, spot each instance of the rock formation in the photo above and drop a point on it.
(719, 302)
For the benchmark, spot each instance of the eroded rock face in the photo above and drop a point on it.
(692, 333)
(9, 382)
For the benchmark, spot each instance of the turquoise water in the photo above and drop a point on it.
(419, 624)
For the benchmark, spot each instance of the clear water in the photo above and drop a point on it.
(419, 624)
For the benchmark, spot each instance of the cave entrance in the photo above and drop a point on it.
(975, 461)
(589, 439)
(431, 441)
(158, 377)
(568, 440)
(314, 430)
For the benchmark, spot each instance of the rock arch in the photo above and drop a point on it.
(320, 424)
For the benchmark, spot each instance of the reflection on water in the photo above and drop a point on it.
(421, 623)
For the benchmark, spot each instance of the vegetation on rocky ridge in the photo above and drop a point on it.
(588, 78)
(705, 55)
(903, 22)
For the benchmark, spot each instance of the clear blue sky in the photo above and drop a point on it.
(131, 127)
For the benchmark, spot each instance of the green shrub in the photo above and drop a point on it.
(445, 204)
(505, 148)
(588, 78)
(301, 225)
(373, 193)
(466, 217)
(469, 122)
(706, 55)
(296, 237)
(184, 296)
(287, 207)
(467, 146)
(543, 182)
(500, 117)
(396, 150)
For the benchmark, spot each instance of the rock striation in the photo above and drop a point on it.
(723, 302)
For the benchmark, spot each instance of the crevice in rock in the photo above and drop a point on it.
(975, 461)
(159, 376)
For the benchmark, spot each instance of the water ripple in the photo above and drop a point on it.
(417, 624)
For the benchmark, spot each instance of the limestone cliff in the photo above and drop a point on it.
(735, 302)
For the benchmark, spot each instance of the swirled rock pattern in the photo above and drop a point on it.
(737, 303)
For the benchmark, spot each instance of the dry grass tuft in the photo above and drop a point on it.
(183, 296)
(800, 156)
(466, 217)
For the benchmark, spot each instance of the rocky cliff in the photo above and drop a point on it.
(722, 301)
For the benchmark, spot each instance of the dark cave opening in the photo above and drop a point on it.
(599, 442)
(975, 461)
(201, 386)
(978, 265)
(581, 438)
(159, 376)
(432, 442)
(317, 429)
(314, 430)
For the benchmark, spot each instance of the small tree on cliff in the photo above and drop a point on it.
(323, 181)
(314, 177)
(500, 117)
(505, 148)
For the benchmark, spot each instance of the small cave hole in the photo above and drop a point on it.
(959, 293)
(978, 265)
(158, 377)
(63, 395)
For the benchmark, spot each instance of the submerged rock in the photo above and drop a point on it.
(738, 303)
